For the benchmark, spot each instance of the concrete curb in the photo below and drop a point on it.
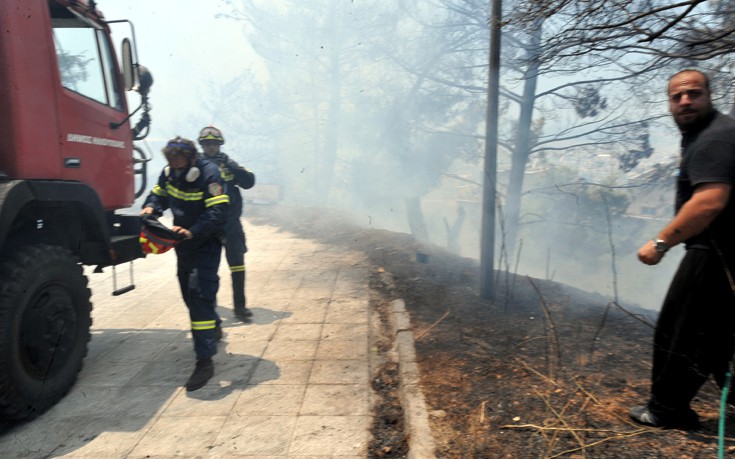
(420, 440)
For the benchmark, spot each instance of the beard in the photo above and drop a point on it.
(691, 118)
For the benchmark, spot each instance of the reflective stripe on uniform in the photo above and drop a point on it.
(158, 191)
(183, 195)
(203, 325)
(151, 246)
(237, 269)
(221, 199)
(227, 177)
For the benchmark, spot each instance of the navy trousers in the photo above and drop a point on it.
(235, 248)
(235, 245)
(198, 279)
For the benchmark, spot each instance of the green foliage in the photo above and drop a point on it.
(588, 101)
(632, 157)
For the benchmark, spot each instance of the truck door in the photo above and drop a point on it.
(90, 100)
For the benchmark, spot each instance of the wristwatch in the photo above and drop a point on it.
(660, 245)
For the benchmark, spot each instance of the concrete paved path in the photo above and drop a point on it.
(294, 383)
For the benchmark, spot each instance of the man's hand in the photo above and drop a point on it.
(649, 255)
(185, 232)
(147, 211)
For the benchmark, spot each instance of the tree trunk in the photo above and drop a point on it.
(416, 221)
(523, 146)
(454, 231)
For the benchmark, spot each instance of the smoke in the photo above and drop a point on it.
(377, 109)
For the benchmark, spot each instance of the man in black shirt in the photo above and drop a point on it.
(694, 331)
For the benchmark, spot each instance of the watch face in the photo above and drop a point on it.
(661, 246)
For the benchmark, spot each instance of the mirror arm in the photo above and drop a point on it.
(143, 123)
(117, 125)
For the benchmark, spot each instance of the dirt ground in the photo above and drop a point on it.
(544, 371)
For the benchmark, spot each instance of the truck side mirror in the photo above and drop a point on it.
(127, 64)
(138, 78)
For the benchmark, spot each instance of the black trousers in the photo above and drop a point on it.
(694, 332)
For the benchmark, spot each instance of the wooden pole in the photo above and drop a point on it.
(487, 244)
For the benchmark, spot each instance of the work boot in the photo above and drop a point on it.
(203, 371)
(242, 313)
(684, 420)
(238, 296)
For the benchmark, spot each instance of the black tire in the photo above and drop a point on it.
(45, 317)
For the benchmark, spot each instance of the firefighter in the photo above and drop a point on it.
(195, 192)
(234, 175)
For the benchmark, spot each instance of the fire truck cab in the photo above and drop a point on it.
(67, 164)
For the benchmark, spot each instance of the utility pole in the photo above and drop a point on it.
(487, 241)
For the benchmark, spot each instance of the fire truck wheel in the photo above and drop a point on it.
(45, 317)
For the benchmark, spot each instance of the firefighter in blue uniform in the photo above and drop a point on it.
(195, 192)
(234, 175)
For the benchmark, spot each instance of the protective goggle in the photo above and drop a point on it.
(182, 146)
(210, 133)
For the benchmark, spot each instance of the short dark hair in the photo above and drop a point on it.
(704, 75)
(179, 146)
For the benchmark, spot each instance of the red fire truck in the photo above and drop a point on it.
(67, 164)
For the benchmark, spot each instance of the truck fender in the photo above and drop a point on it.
(16, 195)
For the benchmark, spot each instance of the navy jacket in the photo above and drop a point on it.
(234, 176)
(200, 205)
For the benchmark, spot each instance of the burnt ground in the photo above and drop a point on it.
(545, 371)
